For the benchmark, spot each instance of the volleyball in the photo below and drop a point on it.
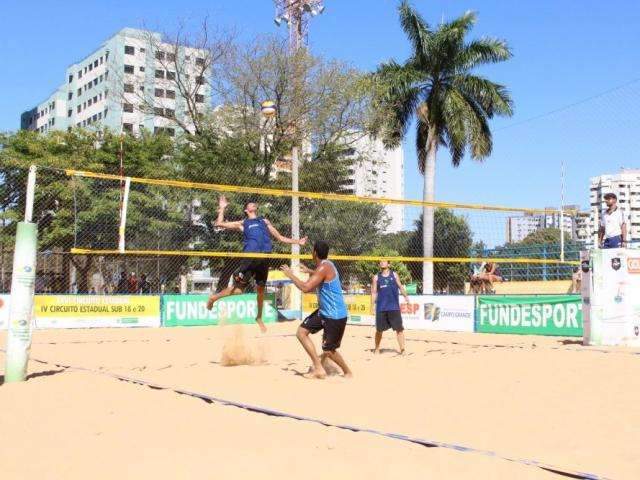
(268, 108)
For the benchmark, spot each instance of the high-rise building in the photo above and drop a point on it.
(132, 81)
(377, 172)
(626, 186)
(519, 227)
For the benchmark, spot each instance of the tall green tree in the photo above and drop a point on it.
(453, 239)
(436, 88)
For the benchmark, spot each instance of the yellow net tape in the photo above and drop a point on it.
(288, 256)
(310, 195)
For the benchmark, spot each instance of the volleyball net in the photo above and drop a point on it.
(99, 226)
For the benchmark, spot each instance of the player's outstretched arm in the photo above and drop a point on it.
(281, 238)
(316, 278)
(220, 221)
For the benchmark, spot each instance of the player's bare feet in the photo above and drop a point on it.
(316, 373)
(348, 375)
(263, 327)
(401, 352)
(376, 351)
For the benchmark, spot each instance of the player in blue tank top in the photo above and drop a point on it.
(385, 295)
(331, 316)
(257, 232)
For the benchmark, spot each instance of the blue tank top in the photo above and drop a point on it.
(388, 293)
(330, 299)
(256, 235)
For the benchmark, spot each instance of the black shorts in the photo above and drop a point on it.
(332, 330)
(251, 268)
(387, 320)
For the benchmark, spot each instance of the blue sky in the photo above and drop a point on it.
(565, 51)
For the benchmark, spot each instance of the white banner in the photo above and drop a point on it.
(453, 313)
(4, 311)
(612, 299)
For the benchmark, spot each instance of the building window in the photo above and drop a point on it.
(89, 85)
(159, 92)
(95, 99)
(160, 55)
(89, 102)
(128, 87)
(95, 64)
(171, 75)
(69, 95)
(200, 80)
(142, 69)
(170, 94)
(69, 112)
(94, 118)
(90, 66)
(127, 107)
(106, 74)
(158, 111)
(70, 78)
(171, 57)
(199, 98)
(78, 124)
(99, 115)
(84, 123)
(127, 127)
(128, 69)
(106, 56)
(101, 78)
(105, 93)
(159, 73)
(85, 70)
(199, 61)
(143, 50)
(84, 105)
(100, 97)
(95, 81)
(79, 73)
(53, 105)
(101, 58)
(105, 112)
(142, 88)
(170, 113)
(53, 122)
(79, 109)
(129, 50)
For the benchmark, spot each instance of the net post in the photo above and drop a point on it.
(123, 215)
(22, 290)
(296, 298)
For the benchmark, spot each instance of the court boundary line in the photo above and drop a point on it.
(563, 471)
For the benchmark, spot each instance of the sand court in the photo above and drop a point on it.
(546, 399)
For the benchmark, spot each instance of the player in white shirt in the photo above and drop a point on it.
(613, 225)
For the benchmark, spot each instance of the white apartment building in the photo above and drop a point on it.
(626, 186)
(378, 172)
(519, 227)
(127, 84)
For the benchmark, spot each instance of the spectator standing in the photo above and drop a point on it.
(133, 283)
(145, 286)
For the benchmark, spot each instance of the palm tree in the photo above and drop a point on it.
(436, 88)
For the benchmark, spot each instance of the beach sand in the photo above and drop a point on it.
(531, 398)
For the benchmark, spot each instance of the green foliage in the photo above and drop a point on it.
(436, 87)
(545, 236)
(452, 239)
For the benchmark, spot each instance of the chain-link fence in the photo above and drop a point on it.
(171, 243)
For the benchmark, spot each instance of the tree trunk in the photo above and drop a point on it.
(428, 195)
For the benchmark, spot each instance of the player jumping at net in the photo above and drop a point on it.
(331, 316)
(257, 232)
(385, 296)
